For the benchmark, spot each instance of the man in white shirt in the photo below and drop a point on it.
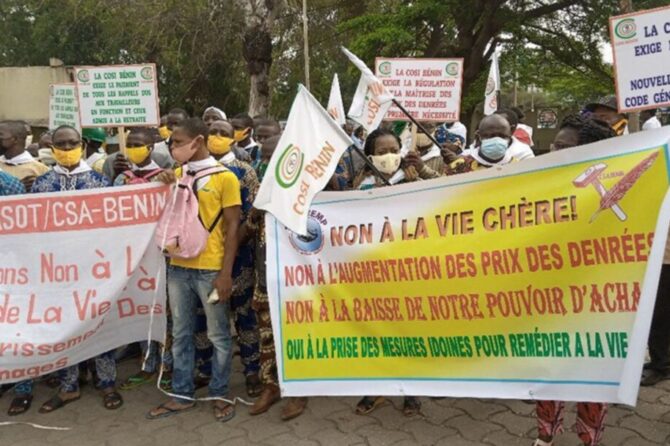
(651, 122)
(517, 149)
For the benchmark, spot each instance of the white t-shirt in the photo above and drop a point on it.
(519, 150)
(651, 124)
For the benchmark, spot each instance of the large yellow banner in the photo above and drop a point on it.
(521, 281)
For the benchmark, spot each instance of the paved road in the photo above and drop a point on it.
(327, 421)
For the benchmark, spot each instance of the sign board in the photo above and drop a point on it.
(430, 89)
(418, 289)
(547, 119)
(63, 106)
(641, 48)
(118, 96)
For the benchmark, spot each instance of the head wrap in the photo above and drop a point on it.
(218, 111)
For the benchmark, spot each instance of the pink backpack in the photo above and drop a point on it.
(180, 232)
(136, 179)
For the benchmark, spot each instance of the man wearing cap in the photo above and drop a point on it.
(606, 110)
(96, 141)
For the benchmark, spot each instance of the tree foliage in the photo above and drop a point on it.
(199, 45)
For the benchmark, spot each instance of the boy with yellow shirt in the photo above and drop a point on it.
(219, 204)
(15, 160)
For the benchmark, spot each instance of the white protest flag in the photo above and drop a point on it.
(492, 87)
(335, 105)
(305, 160)
(371, 101)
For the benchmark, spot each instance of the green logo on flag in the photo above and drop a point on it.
(289, 166)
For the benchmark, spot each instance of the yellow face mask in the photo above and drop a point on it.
(620, 126)
(68, 158)
(240, 135)
(219, 145)
(137, 155)
(164, 132)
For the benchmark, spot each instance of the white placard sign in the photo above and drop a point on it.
(118, 95)
(641, 48)
(63, 106)
(430, 89)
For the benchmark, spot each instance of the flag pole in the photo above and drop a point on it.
(415, 122)
(305, 34)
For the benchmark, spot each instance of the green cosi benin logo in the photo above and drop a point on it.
(451, 69)
(147, 73)
(385, 68)
(625, 29)
(83, 76)
(289, 166)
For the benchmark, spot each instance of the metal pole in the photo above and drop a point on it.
(415, 122)
(626, 6)
(370, 165)
(306, 41)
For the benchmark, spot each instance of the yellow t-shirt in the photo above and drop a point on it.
(222, 190)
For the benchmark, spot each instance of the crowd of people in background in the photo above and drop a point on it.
(230, 157)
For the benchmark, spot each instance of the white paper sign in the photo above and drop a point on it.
(430, 89)
(118, 96)
(80, 275)
(63, 106)
(641, 48)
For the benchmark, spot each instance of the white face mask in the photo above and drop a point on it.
(387, 164)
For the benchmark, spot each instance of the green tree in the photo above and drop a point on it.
(539, 37)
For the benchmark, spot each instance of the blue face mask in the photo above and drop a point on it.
(494, 148)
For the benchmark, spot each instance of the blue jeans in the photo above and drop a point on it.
(185, 287)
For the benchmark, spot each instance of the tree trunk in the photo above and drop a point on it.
(257, 50)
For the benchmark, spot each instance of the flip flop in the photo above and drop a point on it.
(169, 413)
(112, 400)
(224, 418)
(411, 406)
(56, 402)
(19, 405)
(368, 404)
(135, 381)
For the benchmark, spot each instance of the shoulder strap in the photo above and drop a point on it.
(207, 171)
(153, 173)
(129, 174)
